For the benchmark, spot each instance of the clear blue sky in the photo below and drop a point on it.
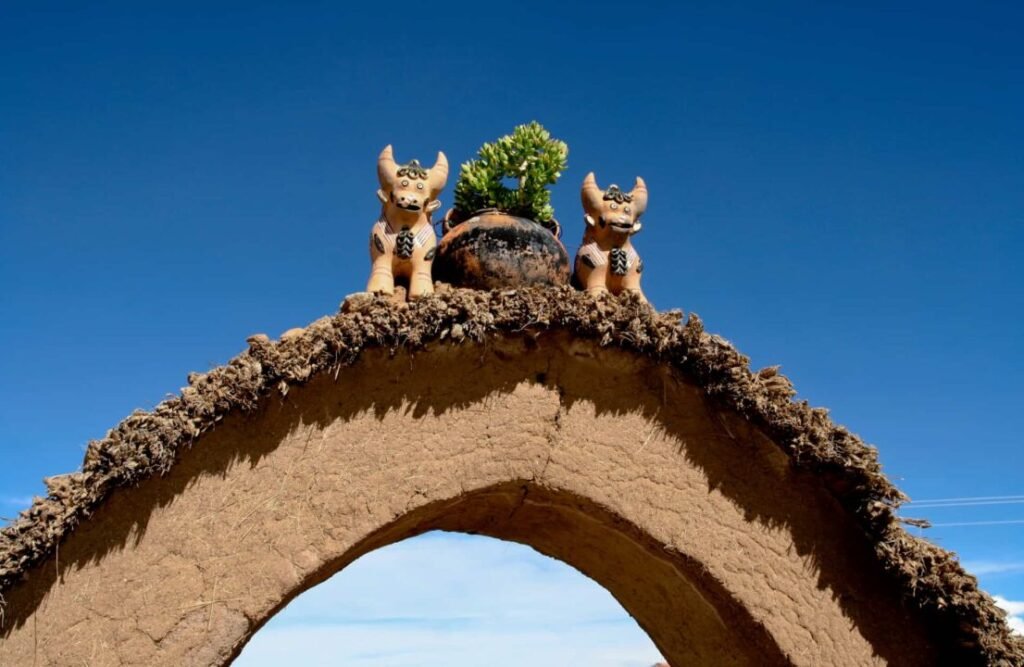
(839, 189)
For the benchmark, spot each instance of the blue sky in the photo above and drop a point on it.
(838, 189)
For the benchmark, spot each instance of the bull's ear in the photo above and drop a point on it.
(639, 194)
(433, 205)
(589, 219)
(382, 196)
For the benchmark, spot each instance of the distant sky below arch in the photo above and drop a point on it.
(453, 600)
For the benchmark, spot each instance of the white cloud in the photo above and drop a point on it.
(20, 502)
(985, 567)
(363, 646)
(453, 600)
(1016, 611)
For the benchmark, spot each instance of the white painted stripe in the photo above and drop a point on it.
(594, 253)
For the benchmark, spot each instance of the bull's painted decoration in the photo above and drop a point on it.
(402, 242)
(606, 260)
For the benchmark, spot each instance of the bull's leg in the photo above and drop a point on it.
(382, 277)
(421, 279)
(631, 283)
(596, 280)
(421, 282)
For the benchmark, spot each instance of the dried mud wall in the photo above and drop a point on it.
(610, 451)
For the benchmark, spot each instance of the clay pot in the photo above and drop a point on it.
(493, 250)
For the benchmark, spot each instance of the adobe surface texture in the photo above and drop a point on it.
(737, 525)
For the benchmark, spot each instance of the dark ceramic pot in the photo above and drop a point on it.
(493, 250)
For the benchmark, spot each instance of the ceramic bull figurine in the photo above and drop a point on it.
(402, 243)
(606, 261)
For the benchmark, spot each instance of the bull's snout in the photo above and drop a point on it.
(621, 222)
(408, 201)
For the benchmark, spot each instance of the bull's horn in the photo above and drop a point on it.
(438, 174)
(386, 168)
(639, 194)
(591, 194)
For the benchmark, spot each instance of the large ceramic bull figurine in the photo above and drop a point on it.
(402, 243)
(606, 261)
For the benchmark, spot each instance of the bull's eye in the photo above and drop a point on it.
(626, 209)
(614, 206)
(419, 186)
(405, 183)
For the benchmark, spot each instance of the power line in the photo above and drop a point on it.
(978, 523)
(963, 499)
(967, 503)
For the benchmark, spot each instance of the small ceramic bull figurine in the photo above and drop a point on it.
(606, 261)
(402, 243)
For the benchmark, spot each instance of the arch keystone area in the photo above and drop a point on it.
(737, 526)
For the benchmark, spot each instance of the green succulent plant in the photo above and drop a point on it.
(531, 157)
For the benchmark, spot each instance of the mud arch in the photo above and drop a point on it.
(604, 458)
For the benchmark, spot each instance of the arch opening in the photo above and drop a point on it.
(455, 599)
(707, 626)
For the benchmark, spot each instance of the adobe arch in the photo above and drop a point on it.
(609, 459)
